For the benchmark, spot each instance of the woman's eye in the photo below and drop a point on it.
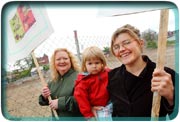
(126, 42)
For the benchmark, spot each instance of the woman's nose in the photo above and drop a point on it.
(61, 61)
(122, 48)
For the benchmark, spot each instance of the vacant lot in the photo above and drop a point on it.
(21, 97)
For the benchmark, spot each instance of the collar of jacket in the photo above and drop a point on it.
(149, 64)
(67, 73)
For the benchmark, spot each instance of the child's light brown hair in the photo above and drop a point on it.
(92, 52)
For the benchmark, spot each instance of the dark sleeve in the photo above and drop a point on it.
(71, 104)
(68, 103)
(43, 101)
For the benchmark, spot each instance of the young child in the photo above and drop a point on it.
(91, 85)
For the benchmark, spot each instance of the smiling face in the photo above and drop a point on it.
(62, 62)
(127, 49)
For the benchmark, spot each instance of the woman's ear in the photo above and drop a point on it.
(141, 42)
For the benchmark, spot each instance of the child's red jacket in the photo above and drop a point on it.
(91, 90)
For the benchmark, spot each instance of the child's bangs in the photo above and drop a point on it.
(91, 56)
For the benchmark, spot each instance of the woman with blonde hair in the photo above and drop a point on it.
(132, 84)
(64, 69)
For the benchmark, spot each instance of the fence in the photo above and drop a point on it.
(21, 97)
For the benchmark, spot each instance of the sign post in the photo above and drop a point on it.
(162, 39)
(27, 27)
(43, 82)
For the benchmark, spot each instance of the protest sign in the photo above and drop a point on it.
(27, 26)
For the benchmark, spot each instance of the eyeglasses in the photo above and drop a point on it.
(125, 43)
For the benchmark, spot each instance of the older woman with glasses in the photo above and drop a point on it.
(131, 85)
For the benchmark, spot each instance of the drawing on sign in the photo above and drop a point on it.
(22, 21)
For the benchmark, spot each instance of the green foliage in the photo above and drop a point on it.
(46, 67)
(20, 74)
(151, 44)
(25, 73)
(169, 43)
(106, 50)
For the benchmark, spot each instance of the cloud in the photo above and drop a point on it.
(87, 20)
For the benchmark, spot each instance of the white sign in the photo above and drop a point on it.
(27, 26)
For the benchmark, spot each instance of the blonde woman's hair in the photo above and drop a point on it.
(92, 52)
(131, 30)
(73, 60)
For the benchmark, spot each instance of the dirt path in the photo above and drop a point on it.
(22, 100)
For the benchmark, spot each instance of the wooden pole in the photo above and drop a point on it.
(43, 82)
(162, 39)
(77, 44)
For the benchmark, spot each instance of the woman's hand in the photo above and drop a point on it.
(162, 83)
(46, 92)
(94, 110)
(54, 104)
